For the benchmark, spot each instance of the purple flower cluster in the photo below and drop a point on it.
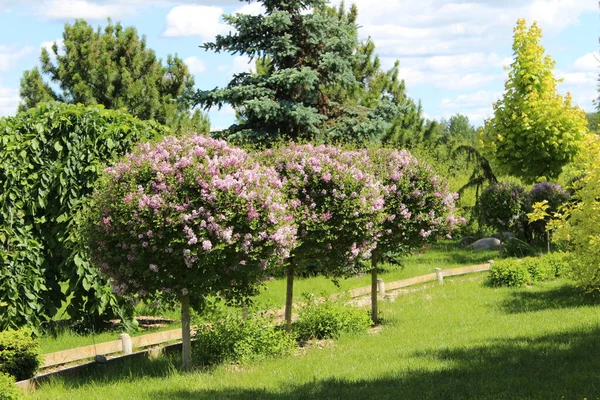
(189, 212)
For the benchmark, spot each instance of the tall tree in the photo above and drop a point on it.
(308, 61)
(378, 89)
(534, 131)
(112, 67)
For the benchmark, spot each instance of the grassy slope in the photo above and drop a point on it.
(458, 341)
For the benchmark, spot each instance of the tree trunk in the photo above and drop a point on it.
(374, 288)
(289, 296)
(186, 342)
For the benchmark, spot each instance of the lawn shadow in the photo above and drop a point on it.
(558, 366)
(566, 296)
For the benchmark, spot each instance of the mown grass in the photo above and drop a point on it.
(444, 254)
(458, 341)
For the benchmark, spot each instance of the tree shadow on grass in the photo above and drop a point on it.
(566, 296)
(558, 366)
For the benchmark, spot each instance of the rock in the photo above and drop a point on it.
(467, 240)
(486, 244)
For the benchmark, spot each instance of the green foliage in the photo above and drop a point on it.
(534, 131)
(19, 354)
(328, 319)
(554, 197)
(509, 273)
(50, 157)
(501, 206)
(114, 68)
(8, 389)
(514, 247)
(304, 57)
(518, 273)
(579, 226)
(229, 337)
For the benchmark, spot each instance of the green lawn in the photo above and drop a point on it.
(458, 341)
(444, 254)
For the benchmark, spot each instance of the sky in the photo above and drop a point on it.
(452, 53)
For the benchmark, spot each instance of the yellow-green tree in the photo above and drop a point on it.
(534, 131)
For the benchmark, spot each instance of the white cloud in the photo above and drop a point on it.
(480, 99)
(9, 100)
(11, 56)
(89, 10)
(587, 63)
(195, 65)
(251, 9)
(238, 65)
(194, 20)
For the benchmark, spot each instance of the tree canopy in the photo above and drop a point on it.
(112, 67)
(306, 74)
(534, 131)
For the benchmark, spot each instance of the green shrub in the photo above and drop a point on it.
(517, 273)
(501, 206)
(19, 354)
(8, 389)
(509, 273)
(328, 320)
(232, 338)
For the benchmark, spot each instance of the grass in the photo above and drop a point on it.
(458, 341)
(445, 255)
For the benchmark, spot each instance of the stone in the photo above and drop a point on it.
(486, 244)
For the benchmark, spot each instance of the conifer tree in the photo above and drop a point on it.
(112, 67)
(306, 71)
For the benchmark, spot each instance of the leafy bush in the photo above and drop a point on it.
(51, 156)
(509, 273)
(501, 207)
(232, 338)
(8, 389)
(19, 353)
(553, 193)
(328, 320)
(518, 273)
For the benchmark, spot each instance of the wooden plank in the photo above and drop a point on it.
(66, 356)
(156, 338)
(466, 270)
(411, 281)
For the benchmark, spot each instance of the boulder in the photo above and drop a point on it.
(486, 244)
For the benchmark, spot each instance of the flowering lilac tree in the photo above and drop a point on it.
(336, 204)
(187, 218)
(418, 207)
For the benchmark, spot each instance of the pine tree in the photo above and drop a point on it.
(113, 67)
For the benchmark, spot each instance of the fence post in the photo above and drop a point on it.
(126, 343)
(440, 275)
(380, 286)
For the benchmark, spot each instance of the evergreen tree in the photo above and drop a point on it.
(113, 67)
(304, 78)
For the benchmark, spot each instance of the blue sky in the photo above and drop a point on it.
(451, 52)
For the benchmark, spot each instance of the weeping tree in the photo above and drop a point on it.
(418, 208)
(187, 218)
(482, 174)
(50, 157)
(336, 205)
